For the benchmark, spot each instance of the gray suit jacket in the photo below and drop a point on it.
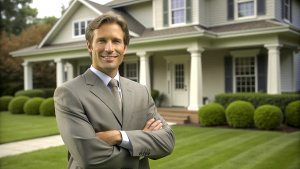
(85, 105)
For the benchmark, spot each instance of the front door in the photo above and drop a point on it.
(180, 84)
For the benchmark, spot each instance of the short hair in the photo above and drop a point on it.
(108, 17)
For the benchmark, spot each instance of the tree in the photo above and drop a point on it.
(11, 68)
(15, 14)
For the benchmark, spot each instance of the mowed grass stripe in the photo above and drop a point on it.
(257, 154)
(205, 158)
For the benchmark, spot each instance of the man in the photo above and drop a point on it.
(103, 126)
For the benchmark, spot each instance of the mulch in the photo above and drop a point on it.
(282, 128)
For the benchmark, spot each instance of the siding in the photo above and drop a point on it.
(66, 34)
(295, 10)
(286, 70)
(297, 71)
(213, 73)
(203, 13)
(217, 10)
(142, 12)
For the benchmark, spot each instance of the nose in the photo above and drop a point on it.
(109, 47)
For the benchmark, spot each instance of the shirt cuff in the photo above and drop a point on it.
(125, 141)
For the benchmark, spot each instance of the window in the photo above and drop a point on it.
(178, 11)
(179, 76)
(245, 74)
(79, 27)
(131, 71)
(245, 8)
(286, 9)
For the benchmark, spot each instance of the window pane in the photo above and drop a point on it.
(178, 11)
(245, 74)
(82, 25)
(246, 9)
(76, 28)
(179, 76)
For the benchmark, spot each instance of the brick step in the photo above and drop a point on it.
(172, 114)
(176, 120)
(175, 117)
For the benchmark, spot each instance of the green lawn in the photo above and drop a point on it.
(21, 127)
(204, 148)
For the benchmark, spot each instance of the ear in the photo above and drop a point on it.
(89, 46)
(125, 49)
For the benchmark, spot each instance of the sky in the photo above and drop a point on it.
(53, 7)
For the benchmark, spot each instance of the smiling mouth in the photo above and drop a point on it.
(109, 57)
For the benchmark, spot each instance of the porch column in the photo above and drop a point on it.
(273, 79)
(145, 69)
(60, 73)
(196, 93)
(28, 83)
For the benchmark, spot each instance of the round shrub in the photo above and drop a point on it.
(240, 114)
(47, 107)
(4, 102)
(211, 114)
(268, 117)
(32, 106)
(31, 93)
(292, 114)
(16, 105)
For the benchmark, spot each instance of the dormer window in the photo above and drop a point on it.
(79, 27)
(176, 12)
(245, 8)
(286, 10)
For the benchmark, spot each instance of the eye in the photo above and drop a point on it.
(117, 41)
(101, 41)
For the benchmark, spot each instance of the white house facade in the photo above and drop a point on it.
(186, 49)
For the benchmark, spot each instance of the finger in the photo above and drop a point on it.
(158, 127)
(148, 124)
(153, 125)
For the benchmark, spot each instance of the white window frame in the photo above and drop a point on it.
(287, 9)
(236, 9)
(170, 14)
(79, 26)
(244, 53)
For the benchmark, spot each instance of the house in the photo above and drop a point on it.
(186, 49)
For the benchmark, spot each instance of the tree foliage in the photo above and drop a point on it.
(11, 69)
(15, 15)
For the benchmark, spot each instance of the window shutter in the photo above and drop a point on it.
(228, 74)
(282, 9)
(262, 64)
(261, 7)
(189, 11)
(291, 13)
(230, 9)
(165, 12)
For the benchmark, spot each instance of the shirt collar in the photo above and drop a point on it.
(104, 77)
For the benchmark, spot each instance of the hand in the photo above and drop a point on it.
(111, 137)
(153, 125)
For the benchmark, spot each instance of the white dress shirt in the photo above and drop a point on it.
(106, 79)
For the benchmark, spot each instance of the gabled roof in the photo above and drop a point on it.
(135, 28)
(122, 3)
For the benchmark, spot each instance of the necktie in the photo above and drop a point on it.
(115, 91)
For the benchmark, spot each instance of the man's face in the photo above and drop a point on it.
(107, 48)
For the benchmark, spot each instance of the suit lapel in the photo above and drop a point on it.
(127, 100)
(99, 89)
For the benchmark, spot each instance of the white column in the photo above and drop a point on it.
(28, 83)
(196, 91)
(60, 73)
(273, 79)
(144, 69)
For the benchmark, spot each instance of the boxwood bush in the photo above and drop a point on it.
(258, 99)
(49, 92)
(4, 101)
(239, 114)
(292, 114)
(32, 106)
(268, 117)
(31, 93)
(16, 105)
(211, 114)
(47, 107)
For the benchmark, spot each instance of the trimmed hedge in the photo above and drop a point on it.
(212, 114)
(16, 105)
(154, 94)
(47, 107)
(32, 106)
(4, 102)
(268, 117)
(257, 99)
(240, 114)
(292, 114)
(49, 92)
(31, 93)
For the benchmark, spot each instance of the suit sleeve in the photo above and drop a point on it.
(79, 136)
(152, 144)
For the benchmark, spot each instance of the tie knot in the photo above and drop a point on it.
(113, 83)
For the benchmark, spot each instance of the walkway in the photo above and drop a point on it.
(25, 146)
